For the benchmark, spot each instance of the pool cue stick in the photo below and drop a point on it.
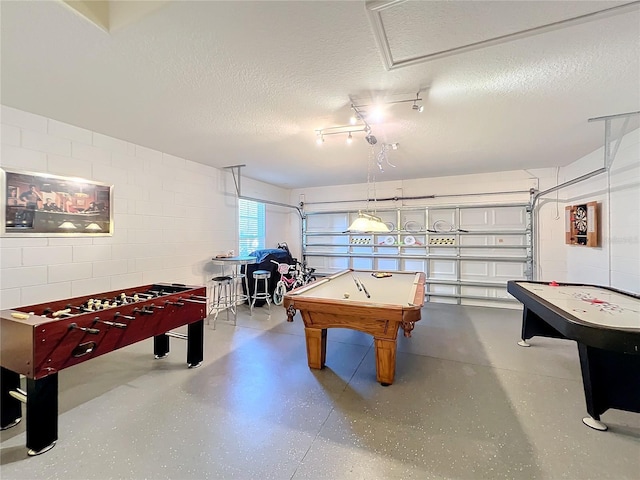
(360, 286)
(365, 289)
(355, 280)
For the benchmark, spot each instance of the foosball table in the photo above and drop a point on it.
(38, 341)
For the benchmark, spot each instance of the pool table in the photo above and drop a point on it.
(356, 299)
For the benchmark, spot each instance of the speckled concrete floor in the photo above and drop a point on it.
(468, 403)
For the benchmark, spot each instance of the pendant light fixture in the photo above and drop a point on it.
(368, 222)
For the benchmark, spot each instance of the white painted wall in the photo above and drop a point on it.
(279, 219)
(550, 255)
(457, 190)
(623, 236)
(171, 215)
(616, 262)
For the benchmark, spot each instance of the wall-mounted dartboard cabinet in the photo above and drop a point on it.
(581, 224)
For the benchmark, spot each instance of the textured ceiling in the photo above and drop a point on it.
(226, 83)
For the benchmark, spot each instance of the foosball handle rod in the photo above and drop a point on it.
(92, 331)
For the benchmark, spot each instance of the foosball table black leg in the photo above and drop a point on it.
(42, 414)
(195, 344)
(161, 345)
(10, 407)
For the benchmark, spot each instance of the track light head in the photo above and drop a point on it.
(349, 139)
(372, 140)
(319, 139)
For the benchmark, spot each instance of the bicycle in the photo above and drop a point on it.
(286, 282)
(301, 276)
(307, 273)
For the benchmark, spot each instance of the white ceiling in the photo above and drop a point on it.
(226, 83)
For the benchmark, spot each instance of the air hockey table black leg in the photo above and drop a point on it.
(533, 325)
(591, 389)
(195, 344)
(610, 380)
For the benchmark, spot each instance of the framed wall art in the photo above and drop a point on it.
(39, 204)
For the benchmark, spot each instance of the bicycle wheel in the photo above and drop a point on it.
(278, 293)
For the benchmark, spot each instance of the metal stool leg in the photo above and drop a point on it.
(220, 297)
(253, 300)
(237, 295)
(268, 297)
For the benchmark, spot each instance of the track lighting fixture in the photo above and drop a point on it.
(414, 101)
(359, 122)
(339, 130)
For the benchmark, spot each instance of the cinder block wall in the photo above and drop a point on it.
(171, 215)
(616, 261)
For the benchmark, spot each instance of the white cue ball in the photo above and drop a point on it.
(346, 295)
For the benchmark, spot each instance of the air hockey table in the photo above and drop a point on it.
(605, 323)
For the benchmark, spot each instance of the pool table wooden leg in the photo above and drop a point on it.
(316, 346)
(385, 361)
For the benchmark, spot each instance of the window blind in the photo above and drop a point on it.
(251, 224)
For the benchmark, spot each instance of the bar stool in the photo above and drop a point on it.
(221, 297)
(263, 275)
(232, 267)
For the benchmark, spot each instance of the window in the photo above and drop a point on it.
(251, 226)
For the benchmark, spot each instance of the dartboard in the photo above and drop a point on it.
(580, 220)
